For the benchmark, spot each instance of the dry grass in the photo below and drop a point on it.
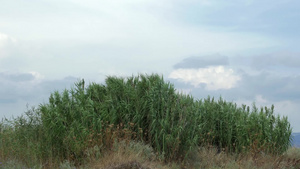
(210, 158)
(136, 155)
(139, 156)
(129, 155)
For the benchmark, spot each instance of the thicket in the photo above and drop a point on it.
(141, 108)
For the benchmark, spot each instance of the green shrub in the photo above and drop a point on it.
(237, 129)
(142, 108)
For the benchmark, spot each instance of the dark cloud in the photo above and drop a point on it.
(5, 101)
(17, 77)
(19, 89)
(201, 62)
(272, 86)
(14, 86)
(280, 59)
(57, 85)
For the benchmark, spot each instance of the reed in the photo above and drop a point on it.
(141, 108)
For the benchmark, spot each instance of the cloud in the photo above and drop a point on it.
(92, 39)
(213, 78)
(133, 23)
(17, 89)
(105, 36)
(278, 59)
(5, 39)
(17, 77)
(291, 110)
(7, 44)
(18, 85)
(269, 17)
(202, 62)
(273, 86)
(30, 84)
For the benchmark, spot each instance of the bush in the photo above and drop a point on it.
(142, 108)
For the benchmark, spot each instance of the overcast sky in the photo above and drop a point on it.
(243, 50)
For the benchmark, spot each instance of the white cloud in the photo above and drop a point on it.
(214, 78)
(37, 77)
(259, 99)
(5, 43)
(4, 39)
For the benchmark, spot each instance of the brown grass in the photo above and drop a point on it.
(210, 158)
(130, 155)
(138, 156)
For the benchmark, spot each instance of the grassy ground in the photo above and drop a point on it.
(135, 155)
(126, 157)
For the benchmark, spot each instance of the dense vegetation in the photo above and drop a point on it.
(141, 108)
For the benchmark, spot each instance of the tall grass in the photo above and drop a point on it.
(141, 108)
(237, 129)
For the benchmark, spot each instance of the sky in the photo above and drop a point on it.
(243, 50)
